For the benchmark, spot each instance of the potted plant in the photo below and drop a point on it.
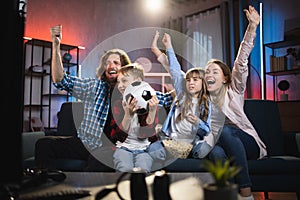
(222, 188)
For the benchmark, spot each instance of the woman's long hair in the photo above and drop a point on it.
(203, 97)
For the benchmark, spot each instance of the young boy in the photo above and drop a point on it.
(138, 130)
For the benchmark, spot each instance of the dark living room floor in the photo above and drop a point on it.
(276, 196)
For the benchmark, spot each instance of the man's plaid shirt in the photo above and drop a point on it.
(96, 97)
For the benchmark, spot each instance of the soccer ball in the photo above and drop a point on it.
(142, 91)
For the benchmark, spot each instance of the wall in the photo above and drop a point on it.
(274, 15)
(289, 118)
(90, 22)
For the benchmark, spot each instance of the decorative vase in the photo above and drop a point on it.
(214, 192)
(284, 97)
(290, 60)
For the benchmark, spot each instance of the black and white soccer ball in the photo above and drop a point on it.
(142, 91)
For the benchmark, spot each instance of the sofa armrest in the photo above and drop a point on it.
(292, 144)
(28, 143)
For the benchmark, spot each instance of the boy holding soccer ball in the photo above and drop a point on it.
(139, 127)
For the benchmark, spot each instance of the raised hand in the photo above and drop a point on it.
(252, 15)
(167, 41)
(56, 33)
(157, 52)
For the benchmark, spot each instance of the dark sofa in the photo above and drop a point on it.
(278, 172)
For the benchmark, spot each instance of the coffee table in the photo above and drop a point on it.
(183, 185)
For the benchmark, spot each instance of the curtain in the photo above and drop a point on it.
(204, 38)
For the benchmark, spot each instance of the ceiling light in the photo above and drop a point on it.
(153, 5)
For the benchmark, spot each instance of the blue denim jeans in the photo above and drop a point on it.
(238, 146)
(157, 151)
(125, 160)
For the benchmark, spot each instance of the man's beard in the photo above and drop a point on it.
(112, 81)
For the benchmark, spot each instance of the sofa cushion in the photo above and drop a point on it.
(272, 165)
(292, 144)
(28, 143)
(69, 118)
(264, 115)
(185, 165)
(275, 165)
(28, 147)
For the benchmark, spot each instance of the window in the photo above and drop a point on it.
(204, 39)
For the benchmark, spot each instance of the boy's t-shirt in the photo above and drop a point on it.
(146, 133)
(135, 139)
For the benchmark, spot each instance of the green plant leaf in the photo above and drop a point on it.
(220, 171)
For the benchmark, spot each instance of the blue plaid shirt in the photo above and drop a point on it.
(95, 95)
